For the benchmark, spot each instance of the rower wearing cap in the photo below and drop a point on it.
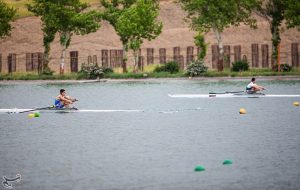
(252, 87)
(62, 100)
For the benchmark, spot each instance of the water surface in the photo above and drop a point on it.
(155, 149)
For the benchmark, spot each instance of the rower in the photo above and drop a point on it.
(252, 87)
(62, 100)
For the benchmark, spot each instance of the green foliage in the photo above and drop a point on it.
(283, 67)
(217, 15)
(47, 71)
(200, 43)
(240, 66)
(291, 13)
(171, 67)
(92, 71)
(7, 15)
(107, 70)
(196, 68)
(133, 20)
(139, 22)
(274, 10)
(65, 17)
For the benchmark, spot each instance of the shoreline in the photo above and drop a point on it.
(207, 79)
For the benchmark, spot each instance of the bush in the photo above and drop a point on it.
(283, 67)
(171, 67)
(47, 71)
(107, 70)
(91, 71)
(240, 66)
(196, 68)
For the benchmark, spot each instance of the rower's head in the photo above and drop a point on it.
(253, 79)
(62, 91)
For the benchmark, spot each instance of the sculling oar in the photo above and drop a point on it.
(227, 92)
(36, 109)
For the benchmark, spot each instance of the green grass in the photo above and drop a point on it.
(22, 11)
(131, 75)
(34, 76)
(251, 72)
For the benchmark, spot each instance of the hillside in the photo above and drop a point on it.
(27, 38)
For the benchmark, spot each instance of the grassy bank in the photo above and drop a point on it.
(130, 75)
(22, 11)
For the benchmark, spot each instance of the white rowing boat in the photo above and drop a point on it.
(64, 110)
(234, 95)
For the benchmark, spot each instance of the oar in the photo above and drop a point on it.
(227, 92)
(36, 109)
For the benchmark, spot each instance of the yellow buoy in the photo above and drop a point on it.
(31, 115)
(296, 103)
(243, 111)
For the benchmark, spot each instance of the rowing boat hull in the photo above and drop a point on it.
(15, 110)
(233, 96)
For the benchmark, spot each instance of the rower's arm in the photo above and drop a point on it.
(66, 100)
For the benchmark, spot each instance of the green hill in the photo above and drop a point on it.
(22, 11)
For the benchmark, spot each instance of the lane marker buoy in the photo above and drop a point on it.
(227, 162)
(242, 111)
(199, 169)
(31, 115)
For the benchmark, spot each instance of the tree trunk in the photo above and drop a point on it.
(64, 43)
(124, 65)
(62, 61)
(220, 65)
(275, 43)
(46, 58)
(135, 60)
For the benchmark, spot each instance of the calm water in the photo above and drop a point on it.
(155, 149)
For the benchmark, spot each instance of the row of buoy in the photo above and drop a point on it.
(244, 111)
(200, 168)
(32, 115)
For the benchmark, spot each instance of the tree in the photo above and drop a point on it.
(207, 15)
(139, 22)
(200, 43)
(273, 11)
(113, 9)
(7, 15)
(66, 17)
(292, 13)
(42, 8)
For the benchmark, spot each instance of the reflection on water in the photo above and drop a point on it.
(155, 149)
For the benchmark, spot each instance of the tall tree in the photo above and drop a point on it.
(66, 17)
(113, 9)
(137, 23)
(207, 15)
(7, 15)
(292, 13)
(273, 11)
(42, 8)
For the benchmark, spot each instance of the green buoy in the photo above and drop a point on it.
(199, 169)
(227, 162)
(36, 114)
